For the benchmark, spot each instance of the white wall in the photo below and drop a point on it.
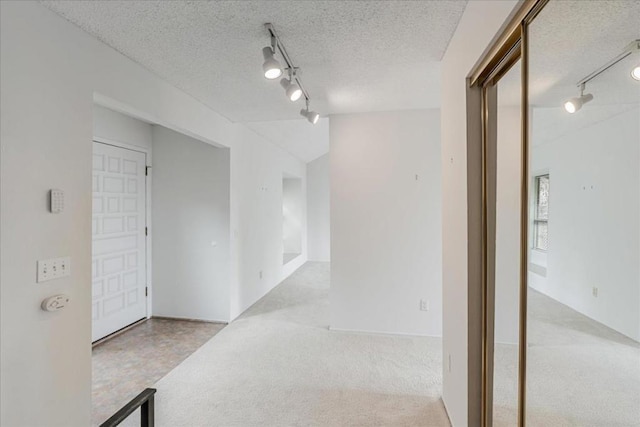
(480, 22)
(292, 213)
(256, 227)
(594, 207)
(385, 223)
(51, 73)
(318, 190)
(112, 126)
(191, 234)
(507, 291)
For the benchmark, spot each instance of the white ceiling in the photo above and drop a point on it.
(298, 137)
(568, 41)
(356, 56)
(571, 39)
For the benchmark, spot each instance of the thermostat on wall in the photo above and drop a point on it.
(55, 303)
(56, 201)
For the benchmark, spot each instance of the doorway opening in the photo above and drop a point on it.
(161, 252)
(292, 214)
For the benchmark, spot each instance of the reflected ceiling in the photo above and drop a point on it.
(568, 41)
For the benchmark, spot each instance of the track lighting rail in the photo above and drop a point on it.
(574, 104)
(293, 71)
(632, 47)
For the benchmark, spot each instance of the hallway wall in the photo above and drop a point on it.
(386, 222)
(51, 75)
(319, 227)
(190, 227)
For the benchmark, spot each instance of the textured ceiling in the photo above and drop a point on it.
(568, 41)
(356, 56)
(298, 137)
(571, 39)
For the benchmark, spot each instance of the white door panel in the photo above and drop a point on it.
(119, 246)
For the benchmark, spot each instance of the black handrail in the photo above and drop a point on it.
(144, 401)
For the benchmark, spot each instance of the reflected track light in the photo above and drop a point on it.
(271, 66)
(574, 104)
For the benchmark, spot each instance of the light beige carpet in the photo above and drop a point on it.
(279, 365)
(579, 372)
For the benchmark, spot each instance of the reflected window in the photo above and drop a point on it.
(541, 213)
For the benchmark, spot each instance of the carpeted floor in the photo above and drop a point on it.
(579, 372)
(279, 365)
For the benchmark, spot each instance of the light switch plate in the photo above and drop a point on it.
(55, 268)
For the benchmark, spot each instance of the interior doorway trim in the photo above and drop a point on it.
(507, 47)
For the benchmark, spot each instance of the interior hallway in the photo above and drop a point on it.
(279, 365)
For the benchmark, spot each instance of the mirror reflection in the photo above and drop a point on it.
(583, 328)
(507, 262)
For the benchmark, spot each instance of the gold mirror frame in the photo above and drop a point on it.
(510, 45)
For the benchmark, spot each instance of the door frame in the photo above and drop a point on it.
(148, 237)
(510, 44)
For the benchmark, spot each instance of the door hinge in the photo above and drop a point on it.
(146, 231)
(146, 291)
(146, 171)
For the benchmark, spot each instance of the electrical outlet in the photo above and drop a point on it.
(424, 305)
(594, 291)
(260, 274)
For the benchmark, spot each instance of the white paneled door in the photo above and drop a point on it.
(119, 243)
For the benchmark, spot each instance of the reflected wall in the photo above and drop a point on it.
(583, 325)
(507, 259)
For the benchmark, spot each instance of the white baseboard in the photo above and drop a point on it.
(370, 332)
(188, 319)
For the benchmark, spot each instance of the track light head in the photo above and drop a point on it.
(575, 104)
(292, 85)
(271, 66)
(312, 116)
(635, 73)
(292, 89)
